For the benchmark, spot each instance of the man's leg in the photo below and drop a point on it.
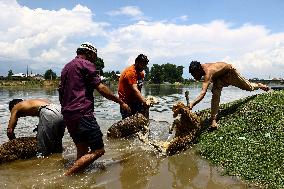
(216, 93)
(41, 141)
(239, 81)
(50, 131)
(84, 158)
(42, 137)
(88, 134)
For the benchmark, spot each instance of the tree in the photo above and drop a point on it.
(100, 65)
(156, 74)
(147, 74)
(49, 74)
(166, 73)
(112, 76)
(172, 73)
(10, 73)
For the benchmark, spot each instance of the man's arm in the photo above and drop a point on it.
(107, 93)
(139, 96)
(201, 95)
(12, 124)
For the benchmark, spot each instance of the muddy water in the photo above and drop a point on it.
(127, 163)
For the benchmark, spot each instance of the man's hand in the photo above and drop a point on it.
(10, 134)
(147, 104)
(125, 107)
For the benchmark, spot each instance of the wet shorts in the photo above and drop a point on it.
(88, 132)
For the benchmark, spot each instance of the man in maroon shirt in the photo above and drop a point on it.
(78, 81)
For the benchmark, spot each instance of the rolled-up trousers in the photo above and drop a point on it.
(233, 78)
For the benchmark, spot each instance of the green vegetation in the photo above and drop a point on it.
(100, 65)
(250, 140)
(49, 74)
(10, 73)
(165, 73)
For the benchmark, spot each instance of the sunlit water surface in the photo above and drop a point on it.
(127, 163)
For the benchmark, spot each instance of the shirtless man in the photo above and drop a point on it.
(221, 74)
(50, 128)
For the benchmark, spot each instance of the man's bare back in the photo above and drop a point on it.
(215, 70)
(29, 107)
(22, 109)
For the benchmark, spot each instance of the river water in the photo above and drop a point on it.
(127, 163)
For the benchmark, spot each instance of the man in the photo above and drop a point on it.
(50, 128)
(221, 75)
(129, 87)
(78, 81)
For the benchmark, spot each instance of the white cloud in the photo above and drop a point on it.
(182, 18)
(214, 41)
(132, 11)
(44, 36)
(48, 39)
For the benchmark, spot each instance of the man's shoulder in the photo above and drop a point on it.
(78, 62)
(129, 70)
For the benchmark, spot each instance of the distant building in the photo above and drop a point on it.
(19, 75)
(38, 77)
(103, 78)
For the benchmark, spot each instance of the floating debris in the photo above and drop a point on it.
(132, 124)
(128, 126)
(19, 148)
(187, 127)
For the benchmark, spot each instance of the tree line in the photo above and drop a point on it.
(157, 74)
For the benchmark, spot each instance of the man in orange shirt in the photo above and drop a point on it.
(129, 87)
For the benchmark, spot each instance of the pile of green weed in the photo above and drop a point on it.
(250, 140)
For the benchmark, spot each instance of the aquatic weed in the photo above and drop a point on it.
(250, 140)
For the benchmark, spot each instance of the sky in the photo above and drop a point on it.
(41, 35)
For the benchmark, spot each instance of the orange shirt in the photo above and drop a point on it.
(127, 78)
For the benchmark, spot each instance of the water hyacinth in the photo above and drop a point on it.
(250, 140)
(19, 148)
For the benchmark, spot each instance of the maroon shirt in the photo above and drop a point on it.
(78, 81)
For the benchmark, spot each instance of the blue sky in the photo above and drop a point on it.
(45, 34)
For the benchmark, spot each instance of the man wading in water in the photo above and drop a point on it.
(221, 74)
(50, 129)
(78, 81)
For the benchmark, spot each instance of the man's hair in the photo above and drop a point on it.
(81, 51)
(142, 58)
(194, 66)
(13, 102)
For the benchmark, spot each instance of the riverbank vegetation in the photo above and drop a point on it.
(29, 83)
(250, 140)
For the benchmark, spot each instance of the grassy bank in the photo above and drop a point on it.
(250, 140)
(29, 83)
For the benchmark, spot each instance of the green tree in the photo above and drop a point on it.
(166, 73)
(147, 74)
(111, 75)
(10, 73)
(172, 73)
(49, 74)
(100, 65)
(156, 75)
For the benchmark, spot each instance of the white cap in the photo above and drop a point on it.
(88, 46)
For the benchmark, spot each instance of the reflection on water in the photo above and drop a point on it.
(127, 163)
